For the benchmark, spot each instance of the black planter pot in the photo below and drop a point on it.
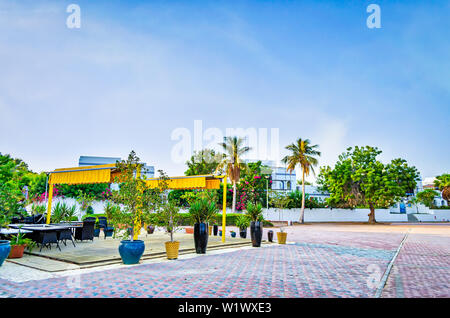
(243, 233)
(270, 236)
(215, 229)
(200, 237)
(256, 231)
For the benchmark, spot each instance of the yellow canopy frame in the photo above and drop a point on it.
(106, 173)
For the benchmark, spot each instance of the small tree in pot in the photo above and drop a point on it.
(135, 199)
(169, 218)
(254, 213)
(202, 211)
(242, 222)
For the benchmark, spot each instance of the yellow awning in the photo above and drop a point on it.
(82, 175)
(197, 182)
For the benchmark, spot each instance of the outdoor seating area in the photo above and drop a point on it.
(44, 235)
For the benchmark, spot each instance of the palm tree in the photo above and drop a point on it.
(442, 182)
(233, 149)
(303, 154)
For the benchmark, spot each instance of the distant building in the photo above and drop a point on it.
(282, 180)
(313, 192)
(148, 171)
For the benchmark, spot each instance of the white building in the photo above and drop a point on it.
(282, 180)
(148, 171)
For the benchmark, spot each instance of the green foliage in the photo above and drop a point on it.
(134, 196)
(242, 221)
(38, 209)
(96, 190)
(168, 217)
(63, 212)
(186, 219)
(296, 201)
(19, 239)
(11, 203)
(85, 200)
(426, 197)
(253, 184)
(442, 182)
(203, 210)
(281, 200)
(254, 212)
(203, 162)
(358, 178)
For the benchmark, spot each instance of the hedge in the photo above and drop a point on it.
(186, 221)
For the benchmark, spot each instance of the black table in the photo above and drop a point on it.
(43, 234)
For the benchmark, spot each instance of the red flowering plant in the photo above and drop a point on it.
(106, 195)
(41, 198)
(252, 187)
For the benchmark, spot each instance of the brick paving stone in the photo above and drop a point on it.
(422, 268)
(319, 264)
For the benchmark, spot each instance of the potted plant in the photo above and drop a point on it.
(133, 198)
(242, 222)
(169, 218)
(254, 213)
(233, 233)
(18, 244)
(201, 212)
(281, 236)
(215, 229)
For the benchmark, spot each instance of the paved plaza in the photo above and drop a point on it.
(321, 260)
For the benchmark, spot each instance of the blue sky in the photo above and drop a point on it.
(137, 70)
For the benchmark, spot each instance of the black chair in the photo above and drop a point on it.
(64, 235)
(46, 238)
(29, 220)
(103, 224)
(39, 219)
(86, 232)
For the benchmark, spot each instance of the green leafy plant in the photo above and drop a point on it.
(38, 209)
(135, 199)
(254, 212)
(280, 200)
(19, 240)
(202, 210)
(85, 200)
(359, 179)
(168, 217)
(442, 182)
(427, 197)
(242, 222)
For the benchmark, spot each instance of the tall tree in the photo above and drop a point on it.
(358, 178)
(303, 154)
(233, 150)
(427, 197)
(443, 184)
(203, 162)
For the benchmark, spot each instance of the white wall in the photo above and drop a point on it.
(333, 215)
(98, 206)
(434, 216)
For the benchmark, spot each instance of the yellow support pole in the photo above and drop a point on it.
(137, 223)
(224, 208)
(50, 197)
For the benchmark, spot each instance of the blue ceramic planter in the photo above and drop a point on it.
(131, 251)
(5, 248)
